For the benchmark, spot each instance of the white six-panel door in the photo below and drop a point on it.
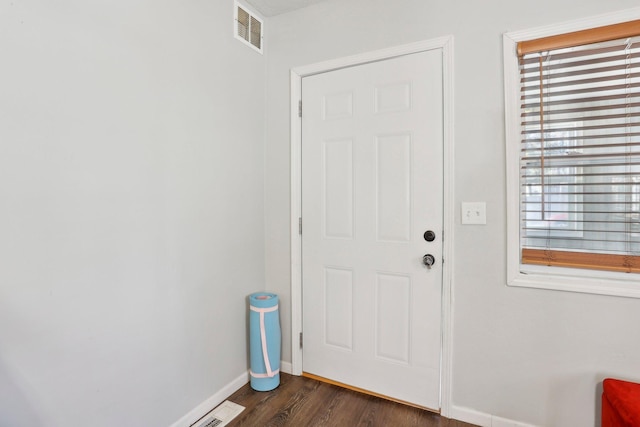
(372, 184)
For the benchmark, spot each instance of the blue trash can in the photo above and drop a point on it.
(264, 341)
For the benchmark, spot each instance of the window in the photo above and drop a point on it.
(573, 145)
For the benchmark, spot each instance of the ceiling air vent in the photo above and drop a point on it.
(248, 27)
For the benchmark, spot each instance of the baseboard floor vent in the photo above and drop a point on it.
(220, 416)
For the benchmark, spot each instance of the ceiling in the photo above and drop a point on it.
(277, 7)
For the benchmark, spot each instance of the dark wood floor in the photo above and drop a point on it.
(303, 402)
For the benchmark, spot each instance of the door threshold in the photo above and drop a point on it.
(370, 393)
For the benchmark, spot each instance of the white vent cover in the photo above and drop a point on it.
(220, 416)
(248, 28)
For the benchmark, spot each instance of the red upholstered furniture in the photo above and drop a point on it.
(620, 403)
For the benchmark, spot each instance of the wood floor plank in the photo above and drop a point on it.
(305, 402)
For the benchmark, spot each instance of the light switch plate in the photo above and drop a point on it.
(474, 213)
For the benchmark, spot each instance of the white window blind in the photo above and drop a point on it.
(580, 150)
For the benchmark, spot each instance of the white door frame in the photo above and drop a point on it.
(446, 44)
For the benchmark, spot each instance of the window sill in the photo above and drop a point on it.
(581, 281)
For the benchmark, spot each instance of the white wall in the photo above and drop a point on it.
(131, 208)
(533, 356)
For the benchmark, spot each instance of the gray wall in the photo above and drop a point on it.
(534, 356)
(131, 208)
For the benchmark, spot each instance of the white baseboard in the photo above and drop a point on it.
(470, 416)
(202, 409)
(205, 407)
(286, 367)
(504, 422)
(482, 419)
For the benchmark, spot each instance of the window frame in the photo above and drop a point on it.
(542, 277)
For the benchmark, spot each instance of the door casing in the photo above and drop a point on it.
(446, 45)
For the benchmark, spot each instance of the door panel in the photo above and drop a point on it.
(372, 179)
